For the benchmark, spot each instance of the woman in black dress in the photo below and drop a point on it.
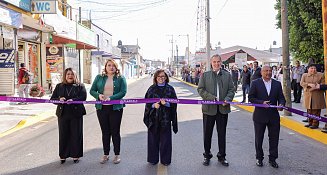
(159, 117)
(70, 116)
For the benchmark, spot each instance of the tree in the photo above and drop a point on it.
(305, 27)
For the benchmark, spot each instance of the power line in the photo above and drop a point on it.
(123, 4)
(222, 8)
(122, 13)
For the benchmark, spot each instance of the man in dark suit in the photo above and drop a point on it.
(266, 91)
(256, 72)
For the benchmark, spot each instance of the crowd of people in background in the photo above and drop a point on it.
(243, 76)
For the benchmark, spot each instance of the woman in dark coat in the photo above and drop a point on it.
(159, 117)
(70, 116)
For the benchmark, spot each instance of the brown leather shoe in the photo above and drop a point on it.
(104, 159)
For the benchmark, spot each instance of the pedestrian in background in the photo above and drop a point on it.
(235, 76)
(280, 73)
(266, 91)
(70, 116)
(296, 75)
(274, 73)
(110, 85)
(24, 81)
(256, 71)
(324, 88)
(158, 117)
(314, 100)
(246, 81)
(216, 84)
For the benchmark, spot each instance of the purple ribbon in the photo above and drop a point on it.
(154, 100)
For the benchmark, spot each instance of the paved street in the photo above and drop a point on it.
(34, 150)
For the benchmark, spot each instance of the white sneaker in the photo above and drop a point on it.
(116, 159)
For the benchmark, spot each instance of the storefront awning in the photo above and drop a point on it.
(56, 39)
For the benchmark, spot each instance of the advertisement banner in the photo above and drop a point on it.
(23, 4)
(55, 60)
(7, 58)
(10, 17)
(54, 65)
(241, 59)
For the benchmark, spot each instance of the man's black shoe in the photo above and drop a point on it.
(206, 162)
(308, 125)
(223, 162)
(273, 163)
(259, 163)
(313, 127)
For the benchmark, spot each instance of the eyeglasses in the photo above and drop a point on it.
(161, 76)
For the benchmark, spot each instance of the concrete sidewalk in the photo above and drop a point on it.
(293, 122)
(14, 116)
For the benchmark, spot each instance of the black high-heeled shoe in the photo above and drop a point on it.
(62, 161)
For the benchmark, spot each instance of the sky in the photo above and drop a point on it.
(249, 23)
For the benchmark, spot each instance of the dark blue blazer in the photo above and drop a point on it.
(258, 94)
(323, 87)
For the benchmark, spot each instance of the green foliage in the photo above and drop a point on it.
(305, 29)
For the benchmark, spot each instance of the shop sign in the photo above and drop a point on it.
(10, 17)
(43, 6)
(7, 58)
(23, 4)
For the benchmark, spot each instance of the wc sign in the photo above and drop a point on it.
(43, 6)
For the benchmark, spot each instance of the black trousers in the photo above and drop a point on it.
(235, 82)
(297, 91)
(273, 134)
(208, 125)
(159, 141)
(110, 121)
(70, 137)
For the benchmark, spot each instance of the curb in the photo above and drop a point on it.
(42, 116)
(286, 122)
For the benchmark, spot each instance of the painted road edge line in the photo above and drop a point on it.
(287, 122)
(28, 122)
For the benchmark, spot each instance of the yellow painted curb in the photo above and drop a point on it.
(28, 122)
(289, 123)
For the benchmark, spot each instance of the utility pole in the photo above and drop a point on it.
(172, 50)
(177, 59)
(208, 36)
(324, 25)
(286, 58)
(188, 49)
(137, 59)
